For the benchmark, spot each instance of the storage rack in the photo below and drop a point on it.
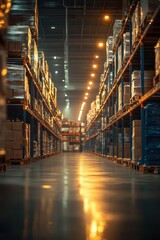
(72, 136)
(3, 26)
(109, 122)
(37, 109)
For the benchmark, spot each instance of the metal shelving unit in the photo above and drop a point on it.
(115, 134)
(31, 102)
(3, 26)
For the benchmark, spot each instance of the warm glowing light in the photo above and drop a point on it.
(80, 115)
(106, 17)
(90, 83)
(92, 74)
(85, 97)
(100, 44)
(94, 66)
(46, 186)
(63, 80)
(94, 228)
(89, 88)
(96, 56)
(86, 94)
(4, 72)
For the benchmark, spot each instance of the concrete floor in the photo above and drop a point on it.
(78, 197)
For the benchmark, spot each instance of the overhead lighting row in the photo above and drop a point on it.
(89, 86)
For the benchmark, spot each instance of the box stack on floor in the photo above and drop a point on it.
(4, 10)
(17, 140)
(136, 141)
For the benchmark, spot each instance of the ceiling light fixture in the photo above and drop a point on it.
(106, 17)
(90, 83)
(86, 93)
(94, 66)
(53, 27)
(88, 88)
(56, 72)
(65, 86)
(100, 44)
(92, 74)
(85, 97)
(96, 56)
(63, 80)
(55, 57)
(66, 95)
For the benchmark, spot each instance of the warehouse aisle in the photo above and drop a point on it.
(80, 197)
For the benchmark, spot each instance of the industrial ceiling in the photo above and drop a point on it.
(69, 31)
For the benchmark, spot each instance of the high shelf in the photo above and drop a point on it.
(4, 10)
(33, 125)
(72, 135)
(125, 127)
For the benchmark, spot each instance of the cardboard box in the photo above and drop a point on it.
(17, 126)
(9, 135)
(136, 123)
(17, 154)
(17, 135)
(136, 131)
(18, 145)
(137, 142)
(9, 144)
(8, 125)
(9, 154)
(136, 154)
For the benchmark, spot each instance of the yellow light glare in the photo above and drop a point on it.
(4, 72)
(96, 56)
(90, 83)
(85, 98)
(46, 186)
(89, 88)
(92, 74)
(100, 44)
(106, 17)
(86, 94)
(94, 66)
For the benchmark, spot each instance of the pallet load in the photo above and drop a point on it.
(116, 30)
(136, 24)
(136, 83)
(152, 134)
(127, 43)
(17, 141)
(17, 83)
(157, 58)
(136, 141)
(109, 51)
(123, 95)
(147, 8)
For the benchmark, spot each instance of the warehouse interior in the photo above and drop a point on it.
(79, 119)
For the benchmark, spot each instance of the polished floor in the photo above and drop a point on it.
(78, 196)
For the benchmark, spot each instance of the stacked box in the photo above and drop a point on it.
(41, 61)
(116, 30)
(136, 24)
(126, 45)
(125, 95)
(17, 82)
(109, 51)
(19, 41)
(136, 140)
(119, 58)
(126, 143)
(147, 8)
(97, 103)
(25, 13)
(136, 82)
(152, 133)
(157, 58)
(17, 140)
(34, 57)
(110, 80)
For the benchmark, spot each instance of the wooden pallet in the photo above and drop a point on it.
(19, 161)
(119, 160)
(134, 165)
(135, 98)
(150, 169)
(126, 162)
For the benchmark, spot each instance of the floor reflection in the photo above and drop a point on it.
(95, 219)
